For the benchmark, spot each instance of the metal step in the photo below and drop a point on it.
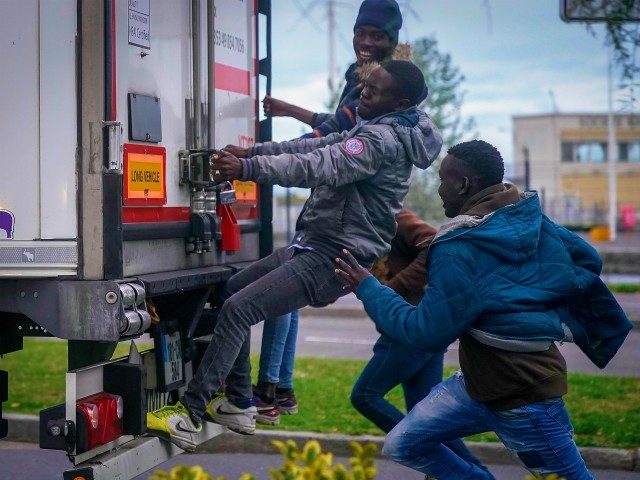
(135, 457)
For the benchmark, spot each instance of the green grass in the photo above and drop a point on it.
(36, 375)
(624, 287)
(605, 411)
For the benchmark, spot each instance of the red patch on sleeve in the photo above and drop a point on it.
(354, 146)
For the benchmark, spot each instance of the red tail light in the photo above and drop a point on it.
(102, 415)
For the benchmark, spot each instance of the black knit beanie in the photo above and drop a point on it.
(383, 14)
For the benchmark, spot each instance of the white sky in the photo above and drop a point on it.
(512, 53)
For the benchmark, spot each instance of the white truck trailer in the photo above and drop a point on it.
(111, 225)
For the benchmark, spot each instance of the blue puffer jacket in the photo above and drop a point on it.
(512, 279)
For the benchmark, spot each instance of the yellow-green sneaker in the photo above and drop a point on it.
(240, 420)
(174, 422)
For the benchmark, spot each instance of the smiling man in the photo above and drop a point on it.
(359, 180)
(375, 38)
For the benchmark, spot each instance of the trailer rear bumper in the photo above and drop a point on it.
(134, 458)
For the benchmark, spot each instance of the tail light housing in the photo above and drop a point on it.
(99, 420)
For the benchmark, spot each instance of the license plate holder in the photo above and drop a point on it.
(169, 356)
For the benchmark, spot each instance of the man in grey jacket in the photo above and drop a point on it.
(359, 180)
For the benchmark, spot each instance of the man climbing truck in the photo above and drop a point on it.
(111, 226)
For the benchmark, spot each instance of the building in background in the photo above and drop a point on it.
(564, 158)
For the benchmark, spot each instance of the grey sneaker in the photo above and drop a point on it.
(240, 420)
(174, 422)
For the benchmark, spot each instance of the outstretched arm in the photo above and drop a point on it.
(330, 163)
(450, 305)
(278, 108)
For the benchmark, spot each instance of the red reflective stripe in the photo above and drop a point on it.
(114, 70)
(155, 214)
(232, 79)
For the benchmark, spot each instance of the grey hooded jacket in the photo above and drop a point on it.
(359, 180)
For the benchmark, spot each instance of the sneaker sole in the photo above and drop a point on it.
(266, 420)
(288, 410)
(242, 429)
(184, 445)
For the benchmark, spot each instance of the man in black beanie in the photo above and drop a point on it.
(382, 14)
(375, 37)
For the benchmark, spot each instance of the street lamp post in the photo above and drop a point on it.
(612, 151)
(527, 169)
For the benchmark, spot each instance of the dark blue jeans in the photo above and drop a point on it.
(284, 281)
(540, 434)
(395, 364)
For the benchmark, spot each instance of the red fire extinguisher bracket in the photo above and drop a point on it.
(229, 228)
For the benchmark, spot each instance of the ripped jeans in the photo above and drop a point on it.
(540, 434)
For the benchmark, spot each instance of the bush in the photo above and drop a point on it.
(308, 464)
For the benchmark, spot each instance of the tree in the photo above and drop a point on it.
(620, 19)
(443, 106)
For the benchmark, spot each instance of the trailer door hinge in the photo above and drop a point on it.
(114, 142)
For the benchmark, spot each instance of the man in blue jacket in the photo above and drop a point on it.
(508, 283)
(360, 179)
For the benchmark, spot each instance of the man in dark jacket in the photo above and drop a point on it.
(507, 282)
(360, 179)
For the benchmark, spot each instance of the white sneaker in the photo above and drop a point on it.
(240, 420)
(173, 421)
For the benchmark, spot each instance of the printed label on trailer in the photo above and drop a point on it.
(7, 221)
(233, 32)
(140, 23)
(144, 175)
(29, 255)
(245, 191)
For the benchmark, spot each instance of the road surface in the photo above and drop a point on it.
(20, 461)
(349, 337)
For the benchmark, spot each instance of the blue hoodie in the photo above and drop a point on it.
(512, 279)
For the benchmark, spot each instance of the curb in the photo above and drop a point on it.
(25, 428)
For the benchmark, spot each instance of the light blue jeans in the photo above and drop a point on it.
(396, 364)
(278, 350)
(540, 434)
